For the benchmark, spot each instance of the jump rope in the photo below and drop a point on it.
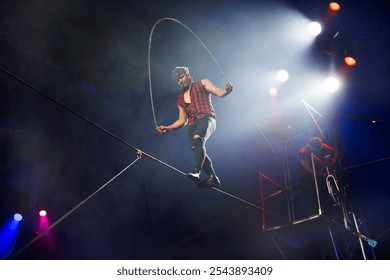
(149, 58)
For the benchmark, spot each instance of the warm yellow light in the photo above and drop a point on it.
(350, 61)
(334, 6)
(273, 91)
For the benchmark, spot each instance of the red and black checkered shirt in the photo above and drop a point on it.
(200, 105)
(305, 154)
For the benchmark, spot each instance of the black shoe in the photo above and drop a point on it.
(194, 176)
(212, 181)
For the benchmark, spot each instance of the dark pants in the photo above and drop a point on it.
(204, 127)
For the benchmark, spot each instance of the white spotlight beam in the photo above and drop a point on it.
(314, 28)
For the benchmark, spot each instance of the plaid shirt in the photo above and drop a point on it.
(200, 105)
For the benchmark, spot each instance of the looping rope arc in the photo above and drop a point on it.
(149, 58)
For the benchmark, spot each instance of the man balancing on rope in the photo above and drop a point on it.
(196, 110)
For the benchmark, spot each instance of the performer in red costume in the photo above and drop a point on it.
(196, 111)
(328, 155)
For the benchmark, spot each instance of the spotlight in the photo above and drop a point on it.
(314, 28)
(273, 91)
(41, 206)
(331, 84)
(334, 7)
(9, 234)
(350, 61)
(376, 121)
(42, 213)
(283, 75)
(18, 217)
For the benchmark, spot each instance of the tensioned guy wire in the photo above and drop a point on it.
(149, 58)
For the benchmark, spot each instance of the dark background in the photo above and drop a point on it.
(92, 57)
